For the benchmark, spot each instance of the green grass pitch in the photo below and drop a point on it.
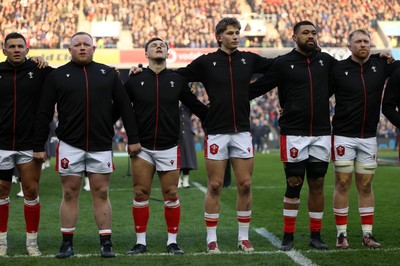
(265, 231)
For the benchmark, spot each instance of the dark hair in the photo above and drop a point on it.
(82, 33)
(301, 23)
(14, 35)
(358, 31)
(152, 40)
(224, 23)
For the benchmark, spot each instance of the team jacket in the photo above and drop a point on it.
(391, 99)
(20, 89)
(303, 90)
(226, 79)
(358, 94)
(84, 97)
(155, 99)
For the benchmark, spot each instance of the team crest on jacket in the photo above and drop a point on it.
(172, 162)
(214, 149)
(340, 150)
(64, 163)
(294, 152)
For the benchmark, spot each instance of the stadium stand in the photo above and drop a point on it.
(190, 24)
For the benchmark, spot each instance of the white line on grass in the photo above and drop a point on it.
(201, 187)
(388, 250)
(293, 254)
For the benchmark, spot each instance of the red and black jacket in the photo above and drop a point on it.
(303, 90)
(226, 78)
(20, 88)
(155, 98)
(85, 96)
(358, 94)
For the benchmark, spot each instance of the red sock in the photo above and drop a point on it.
(367, 219)
(315, 225)
(172, 214)
(141, 214)
(32, 217)
(340, 219)
(289, 224)
(211, 219)
(4, 213)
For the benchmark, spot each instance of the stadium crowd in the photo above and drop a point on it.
(50, 24)
(45, 24)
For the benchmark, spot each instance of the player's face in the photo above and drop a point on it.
(306, 38)
(229, 38)
(360, 45)
(82, 49)
(157, 50)
(15, 50)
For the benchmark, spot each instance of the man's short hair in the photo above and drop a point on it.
(152, 40)
(224, 23)
(14, 35)
(364, 32)
(297, 26)
(81, 33)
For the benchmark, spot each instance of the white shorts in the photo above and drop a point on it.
(300, 148)
(74, 161)
(359, 149)
(225, 146)
(9, 159)
(163, 160)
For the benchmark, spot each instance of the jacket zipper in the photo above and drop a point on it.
(15, 110)
(157, 110)
(365, 100)
(87, 109)
(233, 93)
(311, 98)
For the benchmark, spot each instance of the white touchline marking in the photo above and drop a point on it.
(201, 187)
(293, 254)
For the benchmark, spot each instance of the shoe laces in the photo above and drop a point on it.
(212, 245)
(341, 238)
(246, 243)
(369, 237)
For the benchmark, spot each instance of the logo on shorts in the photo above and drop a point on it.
(340, 150)
(108, 164)
(172, 162)
(214, 149)
(248, 149)
(294, 152)
(64, 163)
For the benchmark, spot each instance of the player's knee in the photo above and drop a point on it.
(365, 168)
(316, 170)
(342, 183)
(292, 192)
(214, 187)
(294, 181)
(171, 192)
(244, 186)
(141, 194)
(343, 166)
